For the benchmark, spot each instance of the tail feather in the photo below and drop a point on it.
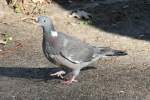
(110, 52)
(117, 53)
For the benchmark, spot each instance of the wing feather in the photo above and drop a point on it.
(75, 50)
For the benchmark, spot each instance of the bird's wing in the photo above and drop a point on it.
(75, 50)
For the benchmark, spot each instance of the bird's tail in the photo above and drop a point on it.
(110, 52)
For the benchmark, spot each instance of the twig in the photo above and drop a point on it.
(32, 18)
(25, 18)
(14, 3)
(4, 52)
(34, 8)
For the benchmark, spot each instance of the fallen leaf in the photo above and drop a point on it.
(17, 8)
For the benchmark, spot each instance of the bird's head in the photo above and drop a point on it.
(45, 22)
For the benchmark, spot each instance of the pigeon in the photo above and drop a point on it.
(62, 49)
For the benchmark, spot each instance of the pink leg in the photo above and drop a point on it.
(75, 74)
(59, 74)
(70, 81)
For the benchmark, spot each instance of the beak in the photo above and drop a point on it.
(36, 19)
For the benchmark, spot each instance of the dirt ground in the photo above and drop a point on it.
(121, 25)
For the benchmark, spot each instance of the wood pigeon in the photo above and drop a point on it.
(68, 51)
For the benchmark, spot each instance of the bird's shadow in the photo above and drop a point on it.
(34, 73)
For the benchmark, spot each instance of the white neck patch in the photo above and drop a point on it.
(54, 33)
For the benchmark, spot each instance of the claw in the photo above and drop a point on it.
(68, 82)
(59, 74)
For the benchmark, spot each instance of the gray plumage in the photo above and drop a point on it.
(60, 48)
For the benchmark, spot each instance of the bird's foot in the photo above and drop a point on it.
(68, 82)
(59, 74)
